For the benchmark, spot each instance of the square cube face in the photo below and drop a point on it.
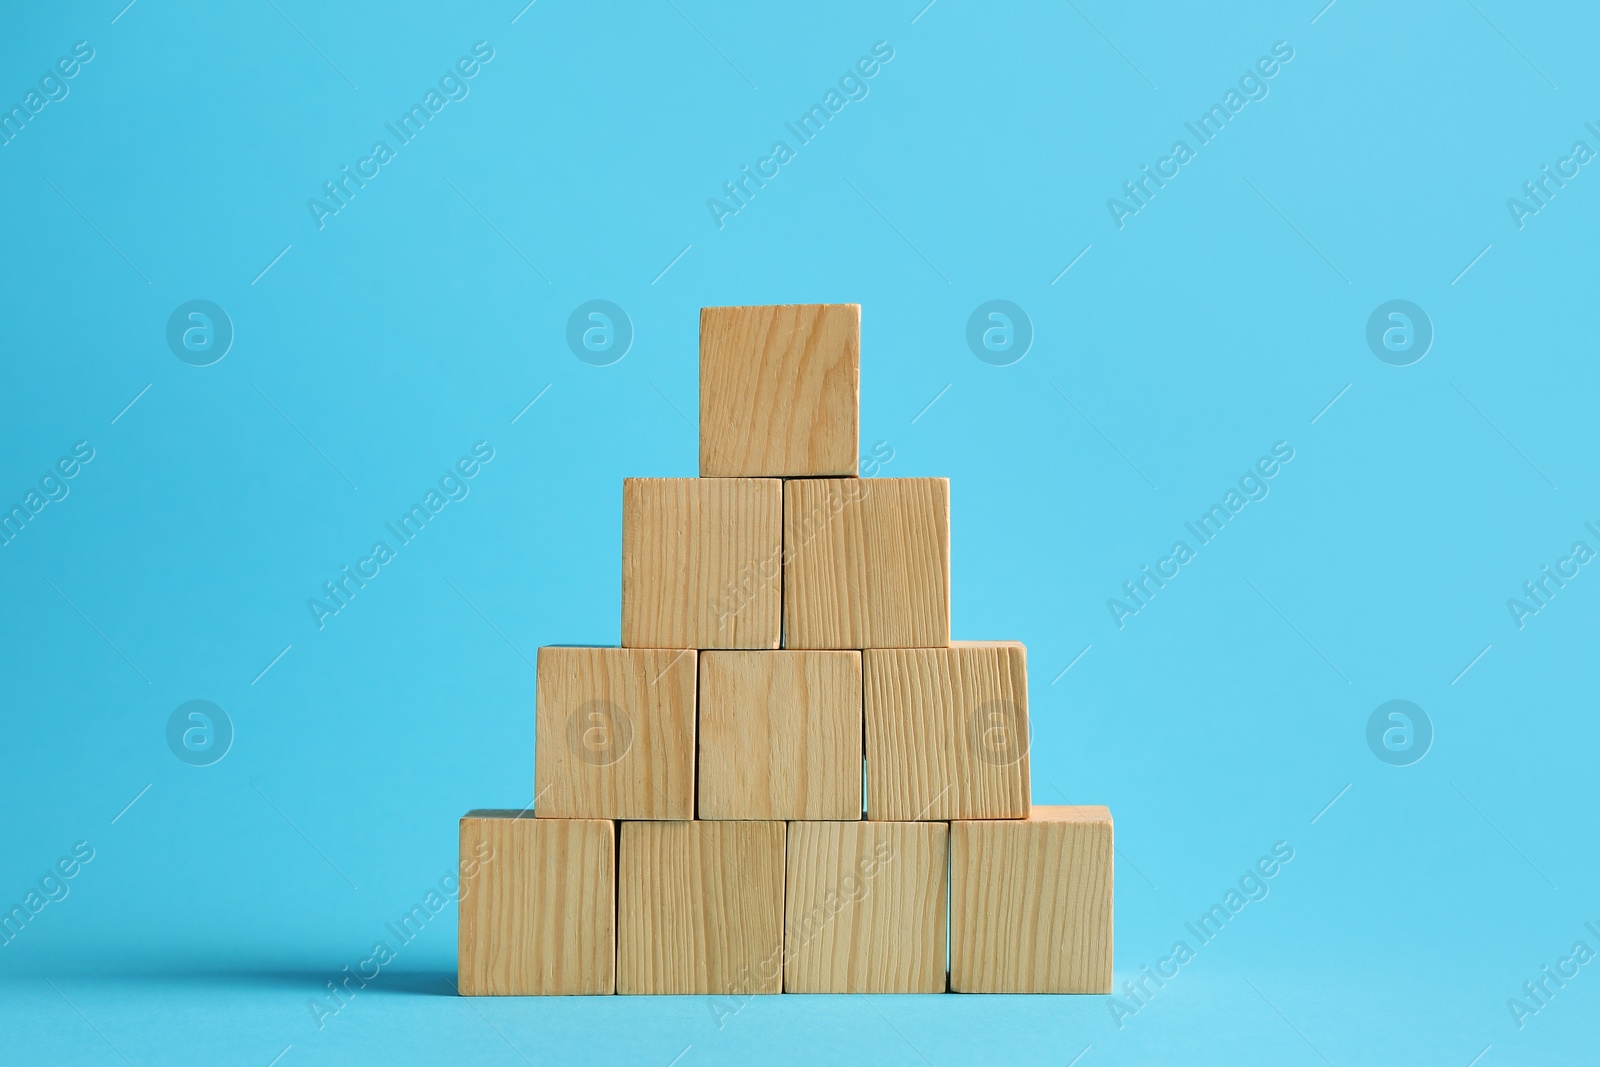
(866, 563)
(1030, 903)
(780, 735)
(701, 562)
(947, 731)
(865, 907)
(700, 908)
(779, 390)
(614, 733)
(538, 905)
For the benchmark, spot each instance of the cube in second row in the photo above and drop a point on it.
(831, 563)
(779, 733)
(734, 908)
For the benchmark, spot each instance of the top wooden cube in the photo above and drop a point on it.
(779, 390)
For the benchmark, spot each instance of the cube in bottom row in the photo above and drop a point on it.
(700, 908)
(551, 906)
(865, 907)
(1030, 903)
(538, 905)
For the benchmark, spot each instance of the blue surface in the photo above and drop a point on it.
(370, 353)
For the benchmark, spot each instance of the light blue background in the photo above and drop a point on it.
(426, 315)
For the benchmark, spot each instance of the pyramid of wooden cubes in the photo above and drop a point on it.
(788, 778)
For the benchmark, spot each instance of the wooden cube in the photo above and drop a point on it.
(947, 731)
(538, 905)
(865, 907)
(866, 563)
(700, 908)
(779, 390)
(1030, 903)
(701, 562)
(614, 733)
(780, 735)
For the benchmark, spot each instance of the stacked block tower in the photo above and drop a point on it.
(788, 778)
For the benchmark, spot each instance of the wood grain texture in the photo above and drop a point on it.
(538, 905)
(866, 563)
(864, 908)
(780, 735)
(614, 733)
(947, 731)
(779, 390)
(700, 908)
(1030, 905)
(701, 562)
